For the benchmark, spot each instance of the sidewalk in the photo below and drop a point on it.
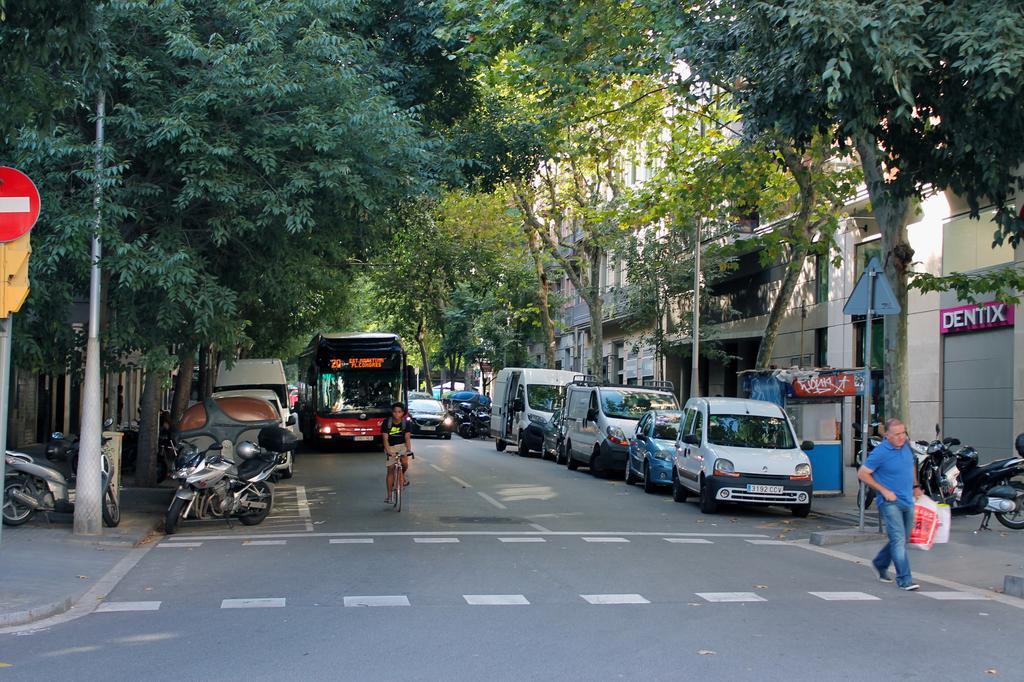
(979, 559)
(46, 569)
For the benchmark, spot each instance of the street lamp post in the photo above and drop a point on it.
(695, 332)
(88, 488)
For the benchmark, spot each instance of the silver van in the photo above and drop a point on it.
(600, 418)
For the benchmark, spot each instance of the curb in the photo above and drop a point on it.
(825, 538)
(35, 613)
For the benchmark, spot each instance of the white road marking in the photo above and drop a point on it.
(604, 539)
(263, 603)
(537, 526)
(436, 468)
(435, 541)
(15, 205)
(114, 606)
(954, 596)
(460, 481)
(377, 601)
(264, 543)
(729, 596)
(351, 541)
(467, 533)
(942, 582)
(495, 599)
(526, 539)
(180, 544)
(770, 542)
(300, 495)
(844, 596)
(614, 599)
(688, 541)
(493, 501)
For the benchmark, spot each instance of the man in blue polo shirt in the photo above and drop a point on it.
(892, 471)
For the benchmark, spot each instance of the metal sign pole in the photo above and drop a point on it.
(865, 409)
(5, 384)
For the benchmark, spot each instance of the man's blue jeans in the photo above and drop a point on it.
(898, 524)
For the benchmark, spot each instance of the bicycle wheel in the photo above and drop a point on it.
(398, 488)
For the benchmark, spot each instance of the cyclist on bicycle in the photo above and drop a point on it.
(397, 436)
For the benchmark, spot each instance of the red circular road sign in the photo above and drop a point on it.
(19, 204)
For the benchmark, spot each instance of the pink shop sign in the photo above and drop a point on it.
(968, 318)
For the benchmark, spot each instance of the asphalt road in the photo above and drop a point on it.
(507, 568)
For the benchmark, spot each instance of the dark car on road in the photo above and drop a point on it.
(429, 418)
(651, 449)
(553, 437)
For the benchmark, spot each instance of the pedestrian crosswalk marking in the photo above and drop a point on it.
(770, 542)
(614, 599)
(729, 596)
(955, 596)
(264, 543)
(381, 600)
(604, 539)
(115, 606)
(260, 603)
(844, 596)
(523, 539)
(495, 599)
(434, 541)
(180, 544)
(688, 541)
(351, 541)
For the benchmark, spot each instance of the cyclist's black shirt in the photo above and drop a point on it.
(395, 431)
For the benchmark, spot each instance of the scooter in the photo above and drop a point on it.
(954, 477)
(472, 422)
(30, 487)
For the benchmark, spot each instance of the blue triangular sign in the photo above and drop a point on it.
(884, 299)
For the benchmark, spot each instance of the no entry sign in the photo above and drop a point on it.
(19, 204)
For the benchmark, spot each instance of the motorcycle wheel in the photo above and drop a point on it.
(266, 494)
(173, 515)
(1014, 521)
(111, 509)
(15, 513)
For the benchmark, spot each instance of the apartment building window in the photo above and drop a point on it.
(821, 347)
(865, 251)
(821, 268)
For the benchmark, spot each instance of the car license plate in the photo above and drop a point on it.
(363, 438)
(428, 428)
(770, 489)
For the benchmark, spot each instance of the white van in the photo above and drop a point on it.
(739, 450)
(599, 419)
(262, 378)
(523, 402)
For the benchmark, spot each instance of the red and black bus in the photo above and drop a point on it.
(351, 381)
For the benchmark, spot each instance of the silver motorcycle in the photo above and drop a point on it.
(30, 487)
(213, 486)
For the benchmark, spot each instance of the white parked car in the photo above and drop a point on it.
(737, 450)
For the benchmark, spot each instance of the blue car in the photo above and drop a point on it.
(651, 449)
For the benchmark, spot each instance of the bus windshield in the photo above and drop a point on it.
(358, 390)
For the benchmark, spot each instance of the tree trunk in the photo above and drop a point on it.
(893, 214)
(204, 369)
(421, 341)
(183, 383)
(547, 322)
(149, 430)
(596, 304)
(782, 302)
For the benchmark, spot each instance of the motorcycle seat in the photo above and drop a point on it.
(1000, 463)
(251, 467)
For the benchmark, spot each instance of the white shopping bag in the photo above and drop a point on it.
(945, 518)
(926, 522)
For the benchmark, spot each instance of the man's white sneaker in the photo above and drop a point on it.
(912, 587)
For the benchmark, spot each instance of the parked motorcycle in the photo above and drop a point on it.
(212, 485)
(954, 477)
(30, 487)
(473, 422)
